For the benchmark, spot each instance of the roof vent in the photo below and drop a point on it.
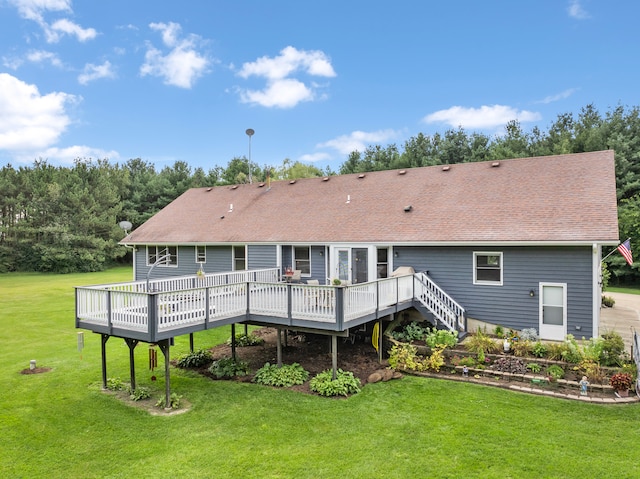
(234, 187)
(495, 164)
(326, 178)
(209, 189)
(361, 175)
(408, 208)
(230, 207)
(292, 182)
(446, 168)
(402, 172)
(260, 185)
(348, 199)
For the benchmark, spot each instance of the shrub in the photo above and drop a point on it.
(608, 301)
(195, 359)
(244, 340)
(554, 351)
(436, 360)
(139, 394)
(441, 337)
(592, 370)
(510, 364)
(534, 368)
(405, 356)
(539, 350)
(612, 349)
(555, 371)
(571, 352)
(621, 381)
(285, 376)
(592, 350)
(344, 384)
(115, 384)
(480, 342)
(499, 331)
(229, 368)
(411, 332)
(522, 348)
(468, 361)
(174, 400)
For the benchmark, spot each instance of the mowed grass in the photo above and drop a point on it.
(61, 425)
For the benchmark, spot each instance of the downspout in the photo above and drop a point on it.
(596, 287)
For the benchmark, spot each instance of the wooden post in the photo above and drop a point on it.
(105, 338)
(191, 342)
(279, 346)
(233, 341)
(132, 343)
(334, 356)
(164, 346)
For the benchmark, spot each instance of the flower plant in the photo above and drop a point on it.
(621, 381)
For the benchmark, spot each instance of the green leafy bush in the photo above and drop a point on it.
(481, 344)
(522, 348)
(405, 356)
(285, 376)
(441, 337)
(115, 384)
(534, 367)
(608, 301)
(344, 384)
(174, 400)
(555, 371)
(229, 368)
(539, 350)
(571, 351)
(436, 360)
(195, 359)
(612, 349)
(411, 332)
(244, 340)
(499, 331)
(139, 393)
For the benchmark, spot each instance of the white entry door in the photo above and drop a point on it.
(553, 311)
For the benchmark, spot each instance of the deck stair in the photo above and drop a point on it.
(445, 310)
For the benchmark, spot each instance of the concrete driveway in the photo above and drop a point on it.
(623, 318)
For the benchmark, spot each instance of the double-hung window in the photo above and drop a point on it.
(302, 259)
(201, 254)
(239, 258)
(162, 255)
(487, 268)
(382, 264)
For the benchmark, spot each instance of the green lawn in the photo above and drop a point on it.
(623, 289)
(60, 425)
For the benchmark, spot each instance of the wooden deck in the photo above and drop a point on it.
(162, 309)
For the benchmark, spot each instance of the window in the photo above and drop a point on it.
(382, 265)
(164, 255)
(201, 254)
(239, 258)
(487, 268)
(302, 259)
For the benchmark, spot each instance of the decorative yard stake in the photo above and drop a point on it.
(80, 343)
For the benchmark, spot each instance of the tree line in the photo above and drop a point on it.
(65, 218)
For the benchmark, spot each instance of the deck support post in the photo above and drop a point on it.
(334, 356)
(379, 340)
(233, 341)
(105, 338)
(279, 346)
(164, 346)
(132, 343)
(191, 342)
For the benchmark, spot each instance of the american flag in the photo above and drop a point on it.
(625, 250)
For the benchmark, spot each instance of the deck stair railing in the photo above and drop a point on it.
(443, 307)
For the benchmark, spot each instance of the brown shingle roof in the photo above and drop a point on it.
(555, 199)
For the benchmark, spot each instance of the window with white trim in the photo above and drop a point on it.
(382, 264)
(166, 255)
(487, 268)
(302, 259)
(201, 254)
(239, 258)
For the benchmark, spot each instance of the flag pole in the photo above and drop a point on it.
(614, 250)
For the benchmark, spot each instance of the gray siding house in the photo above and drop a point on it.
(515, 242)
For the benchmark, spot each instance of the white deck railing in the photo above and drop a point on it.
(198, 301)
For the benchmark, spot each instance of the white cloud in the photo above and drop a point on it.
(560, 96)
(95, 72)
(576, 10)
(282, 91)
(483, 117)
(67, 27)
(182, 65)
(358, 140)
(69, 154)
(313, 157)
(33, 9)
(30, 121)
(33, 56)
(36, 9)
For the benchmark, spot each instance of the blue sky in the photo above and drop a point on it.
(167, 81)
